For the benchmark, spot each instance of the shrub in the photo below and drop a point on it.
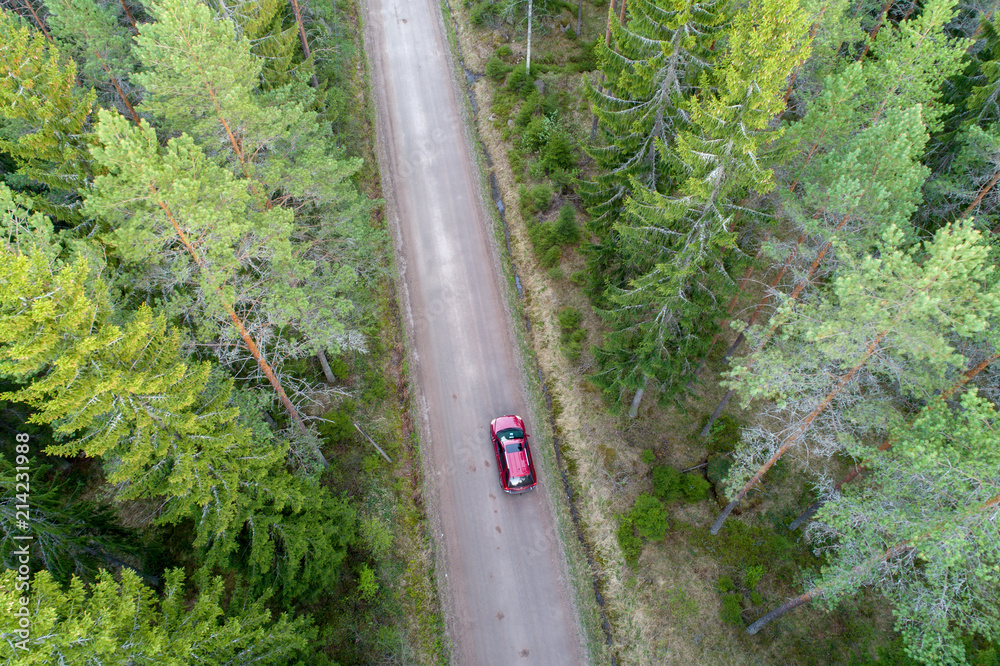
(566, 230)
(551, 257)
(630, 544)
(666, 483)
(535, 134)
(535, 199)
(504, 51)
(724, 435)
(367, 585)
(496, 69)
(694, 486)
(337, 426)
(557, 153)
(650, 517)
(648, 456)
(484, 13)
(377, 536)
(752, 576)
(569, 320)
(731, 609)
(726, 584)
(521, 82)
(756, 599)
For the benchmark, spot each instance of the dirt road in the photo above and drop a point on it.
(505, 591)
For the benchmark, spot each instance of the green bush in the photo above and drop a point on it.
(367, 585)
(535, 134)
(630, 544)
(551, 257)
(496, 69)
(724, 435)
(666, 483)
(337, 425)
(726, 584)
(569, 320)
(648, 456)
(717, 471)
(521, 82)
(535, 199)
(504, 51)
(483, 13)
(650, 517)
(752, 576)
(732, 609)
(755, 598)
(566, 230)
(557, 153)
(694, 486)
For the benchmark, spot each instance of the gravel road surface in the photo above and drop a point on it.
(506, 595)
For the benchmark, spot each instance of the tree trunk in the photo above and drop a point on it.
(874, 32)
(983, 191)
(38, 21)
(131, 19)
(887, 444)
(377, 447)
(302, 38)
(633, 410)
(327, 373)
(527, 67)
(245, 335)
(799, 431)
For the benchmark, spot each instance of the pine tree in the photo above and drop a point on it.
(923, 531)
(92, 34)
(125, 623)
(38, 92)
(175, 203)
(889, 319)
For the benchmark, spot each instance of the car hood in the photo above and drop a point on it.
(517, 462)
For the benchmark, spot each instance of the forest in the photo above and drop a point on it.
(786, 272)
(196, 332)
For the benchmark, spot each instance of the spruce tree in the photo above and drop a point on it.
(651, 67)
(124, 622)
(677, 241)
(40, 98)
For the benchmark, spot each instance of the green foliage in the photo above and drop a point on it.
(571, 336)
(726, 584)
(756, 598)
(648, 457)
(753, 574)
(550, 257)
(694, 487)
(534, 199)
(520, 82)
(666, 483)
(129, 624)
(566, 230)
(377, 536)
(45, 116)
(724, 434)
(367, 583)
(496, 68)
(732, 609)
(650, 517)
(630, 544)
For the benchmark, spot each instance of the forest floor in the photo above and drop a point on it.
(689, 597)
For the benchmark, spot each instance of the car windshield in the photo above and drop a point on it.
(510, 433)
(518, 481)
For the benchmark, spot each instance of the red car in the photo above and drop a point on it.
(510, 444)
